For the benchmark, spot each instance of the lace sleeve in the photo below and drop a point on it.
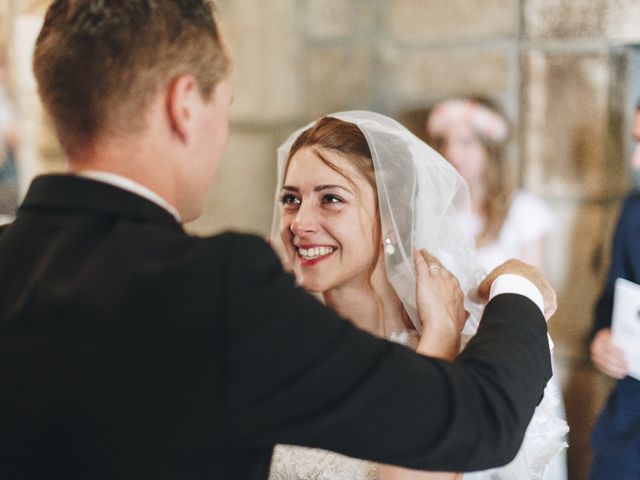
(544, 439)
(300, 463)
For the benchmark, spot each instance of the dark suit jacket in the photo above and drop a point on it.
(618, 427)
(130, 349)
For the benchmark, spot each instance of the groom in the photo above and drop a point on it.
(131, 350)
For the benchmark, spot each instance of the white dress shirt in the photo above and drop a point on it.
(131, 186)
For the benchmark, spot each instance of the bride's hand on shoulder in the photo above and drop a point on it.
(440, 303)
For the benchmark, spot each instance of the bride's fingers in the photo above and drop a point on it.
(434, 266)
(430, 259)
(420, 263)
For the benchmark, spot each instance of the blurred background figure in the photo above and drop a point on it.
(616, 434)
(507, 223)
(472, 133)
(8, 149)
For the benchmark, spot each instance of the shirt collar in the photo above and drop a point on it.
(131, 186)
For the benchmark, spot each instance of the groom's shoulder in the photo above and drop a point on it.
(245, 259)
(241, 247)
(234, 240)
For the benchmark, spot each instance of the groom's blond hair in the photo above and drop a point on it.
(98, 63)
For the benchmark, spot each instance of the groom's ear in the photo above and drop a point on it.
(182, 97)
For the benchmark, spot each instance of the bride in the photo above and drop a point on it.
(357, 194)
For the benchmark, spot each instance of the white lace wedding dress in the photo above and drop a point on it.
(543, 440)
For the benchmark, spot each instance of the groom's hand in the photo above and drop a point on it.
(531, 273)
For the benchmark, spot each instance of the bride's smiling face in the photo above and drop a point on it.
(328, 221)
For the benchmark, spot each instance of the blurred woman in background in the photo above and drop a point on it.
(472, 134)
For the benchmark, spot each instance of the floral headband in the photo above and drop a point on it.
(480, 118)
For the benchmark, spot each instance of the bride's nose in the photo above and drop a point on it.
(305, 221)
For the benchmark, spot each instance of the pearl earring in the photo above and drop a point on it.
(388, 247)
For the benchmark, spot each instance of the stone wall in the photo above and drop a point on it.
(564, 71)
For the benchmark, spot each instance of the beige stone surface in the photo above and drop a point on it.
(441, 20)
(578, 258)
(338, 78)
(329, 19)
(423, 76)
(265, 41)
(623, 20)
(242, 194)
(551, 19)
(571, 148)
(39, 151)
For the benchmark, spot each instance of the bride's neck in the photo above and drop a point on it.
(371, 305)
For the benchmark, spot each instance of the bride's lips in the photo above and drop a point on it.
(310, 254)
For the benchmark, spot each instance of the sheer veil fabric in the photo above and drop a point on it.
(422, 200)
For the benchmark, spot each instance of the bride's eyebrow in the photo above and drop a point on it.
(320, 188)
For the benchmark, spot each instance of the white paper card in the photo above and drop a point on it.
(625, 324)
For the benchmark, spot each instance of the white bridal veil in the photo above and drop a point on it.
(420, 197)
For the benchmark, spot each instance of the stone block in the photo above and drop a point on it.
(331, 19)
(572, 129)
(440, 20)
(242, 194)
(420, 77)
(578, 252)
(623, 20)
(265, 42)
(338, 78)
(551, 19)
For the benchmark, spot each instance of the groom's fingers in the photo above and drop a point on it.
(527, 271)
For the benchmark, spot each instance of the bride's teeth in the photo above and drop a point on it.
(315, 252)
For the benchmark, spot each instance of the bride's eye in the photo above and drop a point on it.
(331, 198)
(289, 199)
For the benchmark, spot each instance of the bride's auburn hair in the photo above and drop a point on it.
(342, 137)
